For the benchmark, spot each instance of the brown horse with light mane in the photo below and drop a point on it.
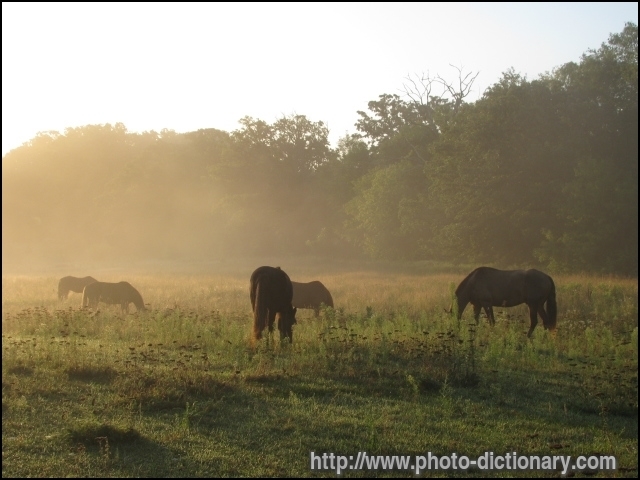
(121, 293)
(488, 287)
(311, 295)
(72, 284)
(271, 293)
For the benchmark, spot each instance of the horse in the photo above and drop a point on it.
(488, 287)
(271, 294)
(72, 284)
(311, 295)
(121, 293)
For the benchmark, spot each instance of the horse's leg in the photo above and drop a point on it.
(272, 319)
(489, 311)
(543, 315)
(476, 312)
(281, 327)
(533, 314)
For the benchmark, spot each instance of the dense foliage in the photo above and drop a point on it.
(541, 172)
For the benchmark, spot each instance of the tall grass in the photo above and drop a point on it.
(180, 390)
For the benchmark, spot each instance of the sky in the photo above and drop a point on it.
(187, 66)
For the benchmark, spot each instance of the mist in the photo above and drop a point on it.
(99, 197)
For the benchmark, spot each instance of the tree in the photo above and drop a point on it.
(497, 173)
(390, 215)
(382, 214)
(599, 213)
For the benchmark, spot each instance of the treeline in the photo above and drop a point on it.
(541, 172)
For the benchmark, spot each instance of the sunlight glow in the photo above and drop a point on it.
(189, 66)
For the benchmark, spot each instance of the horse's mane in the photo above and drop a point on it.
(463, 283)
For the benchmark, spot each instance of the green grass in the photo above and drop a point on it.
(181, 391)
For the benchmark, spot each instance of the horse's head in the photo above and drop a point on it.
(286, 322)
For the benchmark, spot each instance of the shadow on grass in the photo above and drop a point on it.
(88, 434)
(116, 451)
(102, 375)
(21, 370)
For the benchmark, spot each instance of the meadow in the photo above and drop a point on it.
(181, 390)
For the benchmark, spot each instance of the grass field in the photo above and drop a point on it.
(181, 390)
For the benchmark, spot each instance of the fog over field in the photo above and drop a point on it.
(535, 173)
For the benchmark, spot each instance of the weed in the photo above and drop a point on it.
(181, 392)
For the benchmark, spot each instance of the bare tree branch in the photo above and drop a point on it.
(419, 88)
(463, 89)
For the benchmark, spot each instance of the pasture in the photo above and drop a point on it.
(179, 390)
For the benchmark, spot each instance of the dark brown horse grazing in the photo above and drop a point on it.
(121, 293)
(311, 295)
(271, 294)
(488, 287)
(72, 284)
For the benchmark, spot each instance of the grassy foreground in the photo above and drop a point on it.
(181, 390)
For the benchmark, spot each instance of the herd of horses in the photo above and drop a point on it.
(93, 292)
(275, 297)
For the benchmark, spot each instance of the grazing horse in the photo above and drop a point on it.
(72, 284)
(271, 294)
(121, 293)
(311, 295)
(488, 287)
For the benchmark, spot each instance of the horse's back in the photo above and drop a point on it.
(311, 294)
(74, 284)
(479, 279)
(100, 291)
(93, 288)
(267, 272)
(274, 283)
(121, 293)
(539, 284)
(493, 279)
(489, 286)
(124, 291)
(108, 291)
(510, 287)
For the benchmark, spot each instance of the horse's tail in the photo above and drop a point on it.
(85, 297)
(260, 316)
(552, 307)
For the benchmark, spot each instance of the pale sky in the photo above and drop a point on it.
(186, 66)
